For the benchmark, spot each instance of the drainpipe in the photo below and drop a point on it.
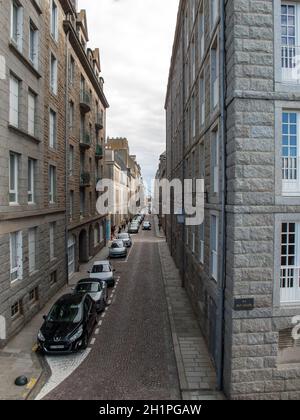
(222, 285)
(183, 153)
(66, 151)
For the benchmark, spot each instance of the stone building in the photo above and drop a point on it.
(161, 174)
(132, 171)
(85, 130)
(232, 108)
(53, 116)
(32, 158)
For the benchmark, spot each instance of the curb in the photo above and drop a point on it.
(178, 356)
(42, 379)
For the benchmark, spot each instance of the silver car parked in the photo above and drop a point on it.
(97, 291)
(126, 238)
(118, 249)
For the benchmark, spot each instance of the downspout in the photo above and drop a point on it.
(66, 150)
(222, 285)
(183, 152)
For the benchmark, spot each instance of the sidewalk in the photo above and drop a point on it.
(196, 373)
(19, 357)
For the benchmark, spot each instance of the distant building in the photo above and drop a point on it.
(160, 175)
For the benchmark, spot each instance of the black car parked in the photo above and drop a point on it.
(69, 325)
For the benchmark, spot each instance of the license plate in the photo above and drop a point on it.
(57, 347)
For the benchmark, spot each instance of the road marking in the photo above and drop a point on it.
(109, 302)
(97, 331)
(99, 323)
(35, 348)
(93, 341)
(31, 384)
(103, 315)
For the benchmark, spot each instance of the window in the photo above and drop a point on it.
(31, 113)
(215, 75)
(82, 203)
(72, 71)
(52, 184)
(290, 263)
(215, 161)
(193, 60)
(290, 153)
(52, 128)
(71, 116)
(290, 41)
(214, 238)
(201, 243)
(16, 257)
(71, 161)
(32, 234)
(13, 178)
(96, 236)
(54, 20)
(31, 181)
(202, 99)
(193, 240)
(34, 295)
(53, 74)
(14, 94)
(53, 278)
(16, 309)
(201, 32)
(214, 11)
(33, 44)
(52, 240)
(17, 24)
(193, 117)
(71, 204)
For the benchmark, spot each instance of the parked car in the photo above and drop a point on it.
(147, 226)
(69, 325)
(117, 249)
(97, 291)
(126, 238)
(103, 271)
(134, 228)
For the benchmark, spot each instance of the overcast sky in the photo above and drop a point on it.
(135, 38)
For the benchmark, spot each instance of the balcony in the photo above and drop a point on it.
(85, 141)
(85, 101)
(99, 152)
(99, 121)
(85, 179)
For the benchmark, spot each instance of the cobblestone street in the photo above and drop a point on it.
(132, 355)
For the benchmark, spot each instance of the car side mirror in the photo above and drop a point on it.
(89, 272)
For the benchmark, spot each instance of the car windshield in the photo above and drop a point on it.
(65, 312)
(101, 269)
(117, 245)
(124, 236)
(88, 288)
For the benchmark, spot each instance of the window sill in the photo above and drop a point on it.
(24, 60)
(23, 133)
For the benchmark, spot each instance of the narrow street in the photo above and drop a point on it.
(132, 356)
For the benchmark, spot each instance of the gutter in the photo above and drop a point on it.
(222, 285)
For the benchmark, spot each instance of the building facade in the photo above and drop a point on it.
(32, 155)
(85, 130)
(53, 114)
(232, 112)
(129, 189)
